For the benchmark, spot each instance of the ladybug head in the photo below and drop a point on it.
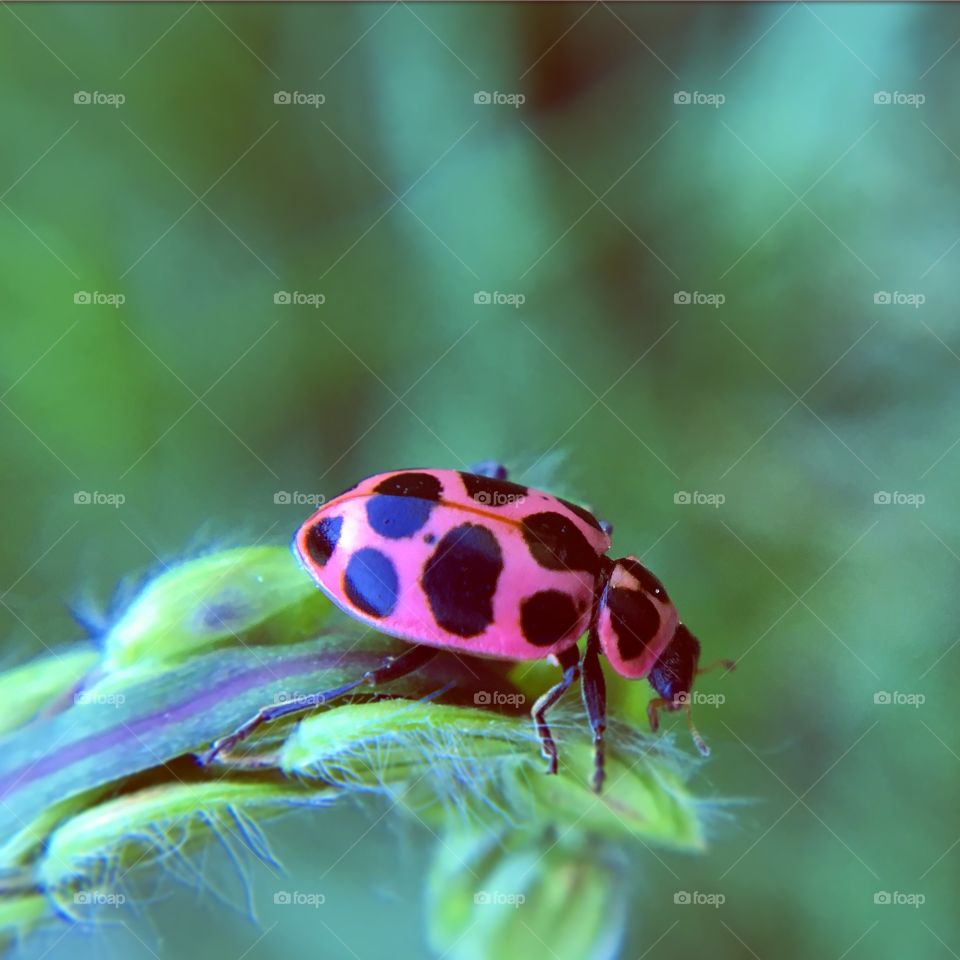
(672, 674)
(636, 618)
(672, 677)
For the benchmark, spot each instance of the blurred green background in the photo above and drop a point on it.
(826, 223)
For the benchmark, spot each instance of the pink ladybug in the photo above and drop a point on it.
(473, 563)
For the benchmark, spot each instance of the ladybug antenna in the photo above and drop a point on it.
(727, 665)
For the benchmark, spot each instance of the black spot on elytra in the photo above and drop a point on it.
(429, 537)
(402, 504)
(460, 579)
(423, 486)
(676, 667)
(398, 517)
(583, 513)
(635, 620)
(547, 616)
(646, 579)
(557, 543)
(490, 491)
(370, 582)
(322, 539)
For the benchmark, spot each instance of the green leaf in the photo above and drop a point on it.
(104, 842)
(99, 773)
(249, 595)
(469, 760)
(106, 736)
(29, 688)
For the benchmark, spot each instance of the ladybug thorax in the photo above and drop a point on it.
(636, 619)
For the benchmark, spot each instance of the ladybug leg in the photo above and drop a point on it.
(659, 703)
(489, 468)
(393, 669)
(569, 661)
(653, 712)
(594, 690)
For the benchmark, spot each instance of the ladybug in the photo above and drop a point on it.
(471, 562)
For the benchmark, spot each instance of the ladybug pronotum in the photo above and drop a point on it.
(473, 563)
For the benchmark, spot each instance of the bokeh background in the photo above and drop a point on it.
(721, 245)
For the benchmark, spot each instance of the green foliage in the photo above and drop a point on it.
(102, 782)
